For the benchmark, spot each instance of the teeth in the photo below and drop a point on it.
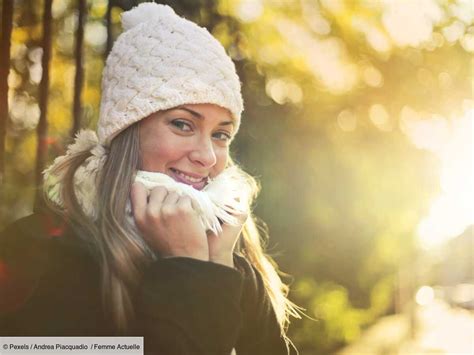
(187, 177)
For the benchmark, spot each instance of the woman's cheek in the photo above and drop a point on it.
(222, 158)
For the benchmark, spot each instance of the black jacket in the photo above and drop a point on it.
(50, 286)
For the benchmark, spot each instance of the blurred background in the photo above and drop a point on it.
(359, 123)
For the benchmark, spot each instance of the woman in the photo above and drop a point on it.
(120, 257)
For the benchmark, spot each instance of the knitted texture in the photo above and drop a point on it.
(159, 62)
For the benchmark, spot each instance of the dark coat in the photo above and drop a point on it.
(50, 286)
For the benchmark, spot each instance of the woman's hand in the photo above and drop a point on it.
(221, 246)
(169, 223)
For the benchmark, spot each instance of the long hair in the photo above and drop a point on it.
(123, 254)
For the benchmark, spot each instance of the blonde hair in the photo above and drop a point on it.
(123, 254)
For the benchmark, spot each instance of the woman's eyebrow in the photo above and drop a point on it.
(198, 115)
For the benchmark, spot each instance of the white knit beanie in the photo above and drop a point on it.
(161, 61)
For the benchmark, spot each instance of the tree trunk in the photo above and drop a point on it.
(5, 41)
(108, 24)
(42, 129)
(79, 78)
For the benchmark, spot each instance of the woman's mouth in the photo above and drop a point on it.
(198, 182)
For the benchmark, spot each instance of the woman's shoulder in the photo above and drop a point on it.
(36, 254)
(24, 236)
(42, 223)
(24, 254)
(28, 244)
(37, 231)
(41, 239)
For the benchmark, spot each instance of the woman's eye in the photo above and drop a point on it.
(182, 125)
(223, 136)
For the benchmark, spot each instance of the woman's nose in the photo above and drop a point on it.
(204, 154)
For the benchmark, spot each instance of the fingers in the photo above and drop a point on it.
(171, 198)
(157, 196)
(168, 207)
(163, 203)
(169, 223)
(184, 205)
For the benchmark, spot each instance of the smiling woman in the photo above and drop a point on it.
(148, 229)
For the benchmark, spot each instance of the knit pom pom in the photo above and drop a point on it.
(146, 11)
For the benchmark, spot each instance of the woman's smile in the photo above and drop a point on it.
(196, 181)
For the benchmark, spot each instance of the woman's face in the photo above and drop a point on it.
(189, 143)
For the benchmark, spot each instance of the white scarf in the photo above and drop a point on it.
(221, 199)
